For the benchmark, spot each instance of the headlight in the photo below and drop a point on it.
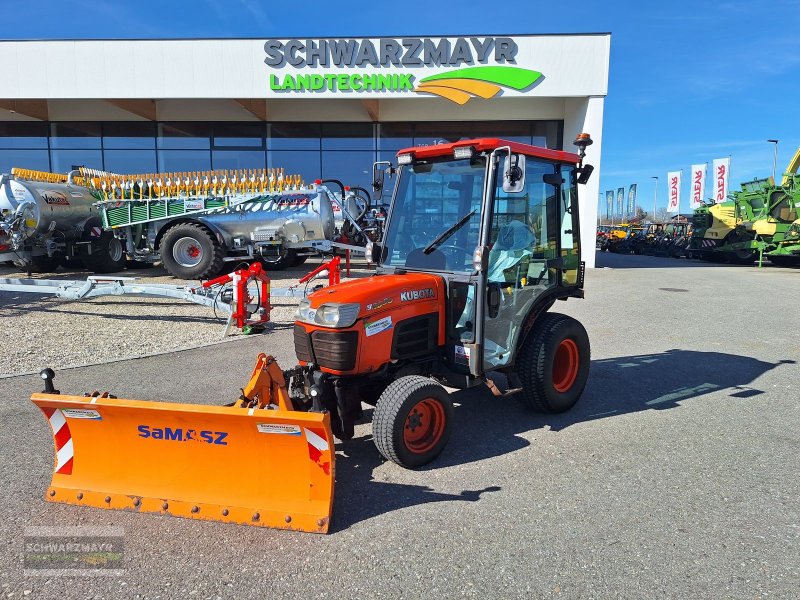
(328, 315)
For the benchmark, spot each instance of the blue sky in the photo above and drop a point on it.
(689, 81)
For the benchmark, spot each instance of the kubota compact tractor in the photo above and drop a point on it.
(482, 238)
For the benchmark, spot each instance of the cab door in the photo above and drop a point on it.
(532, 242)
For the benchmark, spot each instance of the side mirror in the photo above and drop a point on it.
(378, 174)
(583, 173)
(514, 174)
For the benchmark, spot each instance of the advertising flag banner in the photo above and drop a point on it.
(674, 191)
(698, 186)
(721, 170)
(632, 199)
(610, 202)
(620, 199)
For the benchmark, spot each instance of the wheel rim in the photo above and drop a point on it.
(187, 252)
(565, 365)
(115, 250)
(424, 426)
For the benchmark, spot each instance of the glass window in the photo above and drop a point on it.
(239, 135)
(195, 136)
(129, 134)
(295, 162)
(184, 160)
(348, 136)
(395, 136)
(433, 197)
(23, 135)
(294, 136)
(75, 135)
(64, 161)
(548, 134)
(130, 161)
(238, 159)
(524, 236)
(352, 168)
(25, 159)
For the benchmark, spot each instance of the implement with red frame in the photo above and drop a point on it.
(482, 238)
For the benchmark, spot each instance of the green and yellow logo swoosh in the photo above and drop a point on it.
(484, 82)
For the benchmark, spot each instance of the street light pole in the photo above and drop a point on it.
(655, 197)
(774, 159)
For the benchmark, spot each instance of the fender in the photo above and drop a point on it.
(221, 237)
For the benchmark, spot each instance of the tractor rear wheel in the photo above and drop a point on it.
(411, 423)
(190, 251)
(553, 364)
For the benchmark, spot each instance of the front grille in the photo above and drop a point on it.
(335, 350)
(415, 336)
(302, 344)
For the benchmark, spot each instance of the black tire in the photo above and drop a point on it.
(553, 364)
(407, 403)
(45, 264)
(108, 255)
(191, 251)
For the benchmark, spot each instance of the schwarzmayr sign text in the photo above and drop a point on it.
(457, 68)
(405, 52)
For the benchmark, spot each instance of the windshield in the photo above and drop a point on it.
(431, 198)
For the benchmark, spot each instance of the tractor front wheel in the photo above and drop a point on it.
(553, 364)
(411, 423)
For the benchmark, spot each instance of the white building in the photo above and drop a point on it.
(323, 107)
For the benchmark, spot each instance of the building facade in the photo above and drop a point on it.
(321, 107)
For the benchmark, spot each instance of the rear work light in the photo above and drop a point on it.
(405, 159)
(463, 152)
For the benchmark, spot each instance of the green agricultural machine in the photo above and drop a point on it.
(760, 220)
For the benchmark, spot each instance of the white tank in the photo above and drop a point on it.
(294, 216)
(46, 207)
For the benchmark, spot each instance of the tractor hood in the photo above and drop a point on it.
(381, 292)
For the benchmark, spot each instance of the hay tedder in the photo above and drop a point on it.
(482, 238)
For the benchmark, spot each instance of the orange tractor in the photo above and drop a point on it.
(482, 238)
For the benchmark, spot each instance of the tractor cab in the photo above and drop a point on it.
(498, 222)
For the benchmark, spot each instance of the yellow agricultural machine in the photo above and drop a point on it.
(460, 299)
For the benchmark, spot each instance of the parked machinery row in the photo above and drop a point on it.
(192, 222)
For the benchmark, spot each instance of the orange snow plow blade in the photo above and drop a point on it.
(252, 466)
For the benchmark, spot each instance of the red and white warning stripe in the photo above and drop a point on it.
(96, 232)
(63, 440)
(316, 446)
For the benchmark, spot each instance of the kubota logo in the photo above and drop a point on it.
(179, 434)
(417, 295)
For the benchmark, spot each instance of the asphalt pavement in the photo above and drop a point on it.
(676, 475)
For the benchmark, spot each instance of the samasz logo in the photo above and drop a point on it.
(417, 295)
(179, 434)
